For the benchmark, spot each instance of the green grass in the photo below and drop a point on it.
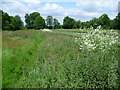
(18, 55)
(0, 59)
(49, 60)
(85, 30)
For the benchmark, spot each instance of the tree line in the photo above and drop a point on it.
(103, 21)
(36, 21)
(11, 22)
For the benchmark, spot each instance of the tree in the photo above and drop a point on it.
(56, 23)
(29, 19)
(104, 21)
(0, 19)
(18, 24)
(78, 24)
(95, 22)
(68, 23)
(49, 22)
(39, 23)
(5, 21)
(113, 24)
(117, 21)
(88, 24)
(10, 22)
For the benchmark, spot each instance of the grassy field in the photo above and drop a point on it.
(37, 59)
(0, 59)
(89, 30)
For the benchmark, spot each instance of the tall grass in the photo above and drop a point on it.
(0, 59)
(60, 61)
(18, 56)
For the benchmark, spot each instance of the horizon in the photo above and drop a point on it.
(79, 10)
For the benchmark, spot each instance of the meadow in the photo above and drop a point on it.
(37, 59)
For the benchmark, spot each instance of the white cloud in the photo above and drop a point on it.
(52, 7)
(32, 1)
(84, 10)
(60, 12)
(98, 5)
(14, 8)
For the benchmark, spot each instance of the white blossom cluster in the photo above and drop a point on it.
(93, 41)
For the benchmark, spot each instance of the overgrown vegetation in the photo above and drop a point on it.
(19, 55)
(59, 61)
(0, 59)
(45, 53)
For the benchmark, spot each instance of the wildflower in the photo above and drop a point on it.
(98, 41)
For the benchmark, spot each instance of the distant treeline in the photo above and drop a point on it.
(36, 21)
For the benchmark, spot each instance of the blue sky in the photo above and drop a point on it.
(83, 10)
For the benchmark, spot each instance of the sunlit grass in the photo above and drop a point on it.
(0, 59)
(18, 54)
(50, 60)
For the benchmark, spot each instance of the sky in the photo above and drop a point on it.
(83, 10)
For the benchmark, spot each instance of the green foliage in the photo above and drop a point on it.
(56, 24)
(95, 22)
(27, 20)
(10, 22)
(17, 22)
(39, 23)
(59, 61)
(30, 19)
(50, 22)
(104, 21)
(115, 23)
(78, 24)
(34, 21)
(117, 19)
(5, 21)
(68, 23)
(18, 59)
